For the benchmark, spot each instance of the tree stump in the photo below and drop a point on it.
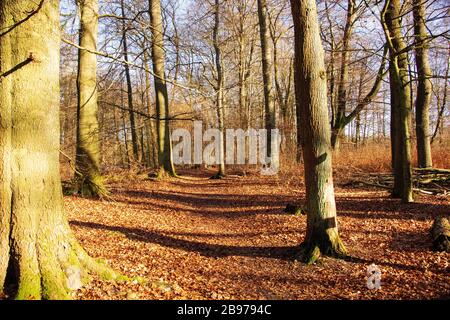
(440, 234)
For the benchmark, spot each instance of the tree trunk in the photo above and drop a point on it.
(441, 107)
(269, 104)
(424, 87)
(134, 135)
(219, 91)
(401, 91)
(338, 123)
(162, 100)
(152, 156)
(39, 255)
(88, 178)
(322, 235)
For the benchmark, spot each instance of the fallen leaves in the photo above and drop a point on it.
(195, 238)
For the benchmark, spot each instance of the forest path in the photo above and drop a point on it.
(230, 239)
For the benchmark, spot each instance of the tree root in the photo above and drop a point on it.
(56, 267)
(330, 245)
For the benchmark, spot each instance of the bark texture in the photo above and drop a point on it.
(162, 99)
(339, 116)
(440, 234)
(266, 57)
(219, 91)
(87, 176)
(134, 134)
(39, 256)
(400, 101)
(424, 87)
(322, 235)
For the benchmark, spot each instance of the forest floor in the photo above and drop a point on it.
(196, 238)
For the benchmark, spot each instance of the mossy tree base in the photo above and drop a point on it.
(163, 174)
(52, 267)
(326, 243)
(40, 257)
(90, 187)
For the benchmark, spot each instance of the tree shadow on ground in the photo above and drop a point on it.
(211, 205)
(388, 208)
(205, 249)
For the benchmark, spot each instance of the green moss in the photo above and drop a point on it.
(29, 289)
(162, 174)
(91, 184)
(327, 243)
(54, 286)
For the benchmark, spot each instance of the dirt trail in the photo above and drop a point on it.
(195, 238)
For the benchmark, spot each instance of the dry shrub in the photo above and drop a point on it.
(371, 157)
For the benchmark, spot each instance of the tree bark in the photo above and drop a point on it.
(152, 153)
(37, 249)
(219, 91)
(424, 87)
(441, 107)
(440, 234)
(162, 100)
(322, 235)
(134, 135)
(266, 56)
(338, 120)
(401, 93)
(88, 179)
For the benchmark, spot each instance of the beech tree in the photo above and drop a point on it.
(219, 91)
(87, 167)
(400, 101)
(424, 87)
(266, 58)
(322, 236)
(134, 135)
(39, 254)
(161, 95)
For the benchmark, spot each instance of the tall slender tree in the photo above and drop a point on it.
(219, 91)
(322, 235)
(37, 248)
(266, 57)
(133, 129)
(424, 87)
(162, 99)
(87, 167)
(339, 114)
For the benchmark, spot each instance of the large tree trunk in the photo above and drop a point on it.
(424, 87)
(39, 255)
(88, 178)
(401, 93)
(162, 100)
(266, 57)
(322, 235)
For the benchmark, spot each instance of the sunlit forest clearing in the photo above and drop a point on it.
(217, 150)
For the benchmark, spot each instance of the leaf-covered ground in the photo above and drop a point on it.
(196, 238)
